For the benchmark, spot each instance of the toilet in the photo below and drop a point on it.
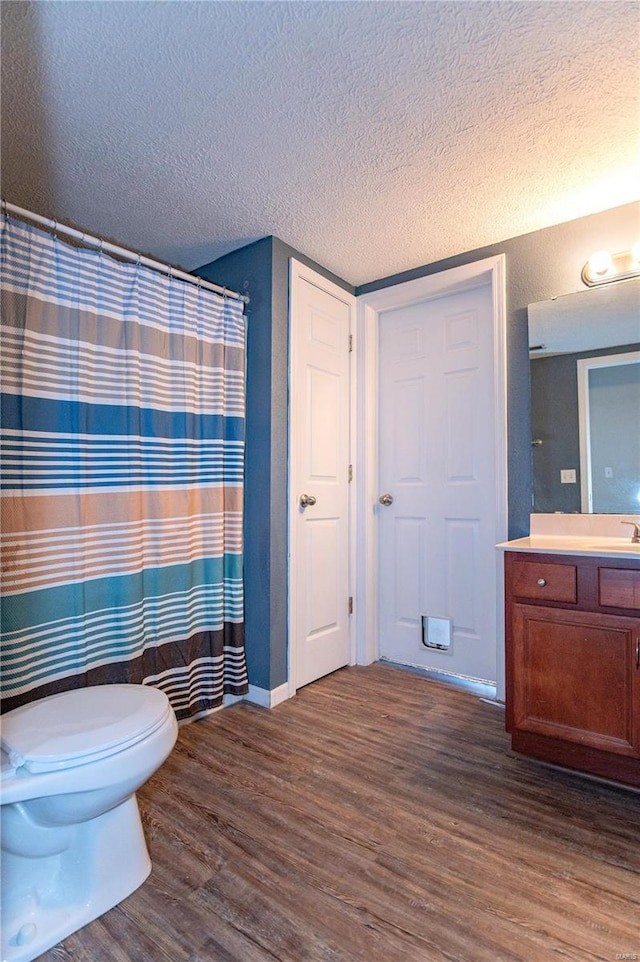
(72, 839)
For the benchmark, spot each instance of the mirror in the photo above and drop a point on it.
(585, 400)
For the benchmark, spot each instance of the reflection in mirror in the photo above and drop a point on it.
(609, 409)
(573, 470)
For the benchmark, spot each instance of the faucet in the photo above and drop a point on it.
(635, 537)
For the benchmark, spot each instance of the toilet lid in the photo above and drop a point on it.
(81, 726)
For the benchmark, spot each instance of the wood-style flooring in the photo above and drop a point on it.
(376, 816)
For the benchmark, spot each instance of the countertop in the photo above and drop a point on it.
(570, 544)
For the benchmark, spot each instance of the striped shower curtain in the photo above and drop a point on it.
(122, 474)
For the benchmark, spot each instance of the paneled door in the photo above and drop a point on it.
(437, 483)
(319, 496)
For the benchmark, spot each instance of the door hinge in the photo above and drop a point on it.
(350, 343)
(350, 604)
(350, 473)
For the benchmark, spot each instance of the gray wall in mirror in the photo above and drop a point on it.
(592, 323)
(554, 422)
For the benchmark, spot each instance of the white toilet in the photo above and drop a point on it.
(72, 839)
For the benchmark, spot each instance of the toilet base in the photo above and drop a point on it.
(46, 899)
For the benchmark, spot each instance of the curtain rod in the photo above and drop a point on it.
(122, 252)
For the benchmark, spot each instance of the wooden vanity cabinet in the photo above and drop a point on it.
(573, 662)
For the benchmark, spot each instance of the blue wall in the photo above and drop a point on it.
(249, 271)
(540, 265)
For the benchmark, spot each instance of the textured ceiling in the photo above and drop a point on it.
(372, 136)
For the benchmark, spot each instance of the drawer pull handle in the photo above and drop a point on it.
(637, 654)
(541, 582)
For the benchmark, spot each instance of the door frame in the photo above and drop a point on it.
(299, 272)
(369, 308)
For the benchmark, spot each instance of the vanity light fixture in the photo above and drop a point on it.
(603, 267)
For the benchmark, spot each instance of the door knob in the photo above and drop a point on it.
(307, 500)
(386, 499)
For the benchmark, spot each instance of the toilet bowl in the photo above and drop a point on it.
(72, 839)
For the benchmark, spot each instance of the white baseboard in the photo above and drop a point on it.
(256, 696)
(267, 698)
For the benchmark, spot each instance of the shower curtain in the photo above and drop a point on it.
(123, 457)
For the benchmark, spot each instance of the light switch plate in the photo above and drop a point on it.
(568, 476)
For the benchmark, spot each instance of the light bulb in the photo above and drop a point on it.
(599, 263)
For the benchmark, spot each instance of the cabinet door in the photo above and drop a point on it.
(576, 677)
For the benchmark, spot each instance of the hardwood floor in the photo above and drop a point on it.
(376, 817)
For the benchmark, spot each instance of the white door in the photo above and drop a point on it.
(437, 461)
(319, 570)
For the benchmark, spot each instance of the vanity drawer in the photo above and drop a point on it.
(544, 582)
(619, 588)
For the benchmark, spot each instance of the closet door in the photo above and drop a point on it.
(319, 445)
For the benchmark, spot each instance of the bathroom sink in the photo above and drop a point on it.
(572, 544)
(607, 544)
